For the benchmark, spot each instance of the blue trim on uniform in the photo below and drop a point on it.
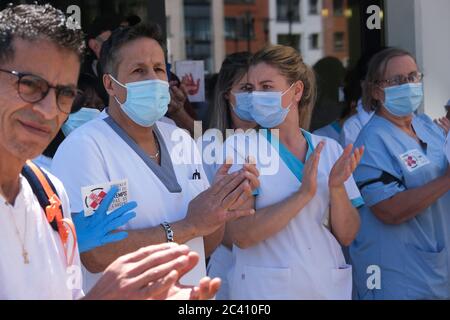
(358, 202)
(336, 126)
(292, 162)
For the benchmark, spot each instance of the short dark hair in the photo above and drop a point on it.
(122, 35)
(32, 22)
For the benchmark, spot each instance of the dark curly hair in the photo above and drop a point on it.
(109, 58)
(35, 22)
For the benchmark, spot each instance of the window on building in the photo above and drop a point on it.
(313, 7)
(230, 28)
(288, 10)
(238, 28)
(239, 1)
(293, 40)
(314, 41)
(338, 40)
(338, 7)
(168, 29)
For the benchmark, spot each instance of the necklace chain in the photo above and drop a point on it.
(22, 242)
(157, 146)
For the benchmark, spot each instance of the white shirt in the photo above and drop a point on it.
(353, 125)
(332, 131)
(47, 275)
(96, 153)
(303, 260)
(168, 120)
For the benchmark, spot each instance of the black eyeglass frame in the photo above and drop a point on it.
(58, 89)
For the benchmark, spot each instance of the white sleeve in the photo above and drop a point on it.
(79, 163)
(75, 271)
(350, 131)
(234, 150)
(350, 185)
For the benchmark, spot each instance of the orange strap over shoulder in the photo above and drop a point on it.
(53, 211)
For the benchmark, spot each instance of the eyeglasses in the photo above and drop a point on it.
(413, 77)
(32, 89)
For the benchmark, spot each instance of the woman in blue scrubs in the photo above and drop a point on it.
(401, 251)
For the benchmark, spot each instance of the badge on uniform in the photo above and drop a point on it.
(414, 159)
(93, 196)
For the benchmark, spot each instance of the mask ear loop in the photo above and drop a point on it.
(288, 89)
(120, 84)
(290, 105)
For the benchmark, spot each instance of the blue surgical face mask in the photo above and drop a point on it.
(243, 106)
(403, 100)
(79, 118)
(147, 101)
(267, 110)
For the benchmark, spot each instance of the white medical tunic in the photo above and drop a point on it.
(333, 131)
(304, 260)
(47, 276)
(100, 151)
(353, 125)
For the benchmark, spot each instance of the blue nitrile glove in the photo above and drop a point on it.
(95, 230)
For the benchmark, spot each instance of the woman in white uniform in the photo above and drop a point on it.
(231, 83)
(305, 209)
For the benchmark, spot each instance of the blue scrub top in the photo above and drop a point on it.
(412, 257)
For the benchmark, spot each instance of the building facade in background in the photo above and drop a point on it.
(195, 31)
(246, 25)
(335, 15)
(297, 23)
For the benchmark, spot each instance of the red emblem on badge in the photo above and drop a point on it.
(94, 199)
(411, 161)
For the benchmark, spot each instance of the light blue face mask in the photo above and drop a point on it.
(243, 106)
(79, 118)
(403, 100)
(267, 110)
(147, 101)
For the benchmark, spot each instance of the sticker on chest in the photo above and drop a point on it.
(93, 195)
(414, 159)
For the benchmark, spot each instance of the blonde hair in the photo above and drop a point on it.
(375, 73)
(289, 63)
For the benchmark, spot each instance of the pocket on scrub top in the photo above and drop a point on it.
(342, 283)
(196, 187)
(427, 274)
(260, 283)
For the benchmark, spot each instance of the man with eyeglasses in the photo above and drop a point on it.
(39, 66)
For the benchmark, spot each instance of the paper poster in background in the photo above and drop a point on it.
(192, 76)
(94, 195)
